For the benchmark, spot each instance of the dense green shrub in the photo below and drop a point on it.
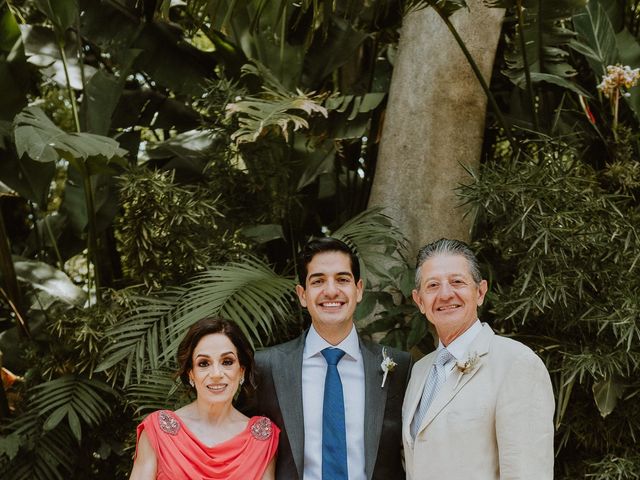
(563, 248)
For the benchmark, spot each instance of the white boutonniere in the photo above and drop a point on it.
(387, 365)
(467, 366)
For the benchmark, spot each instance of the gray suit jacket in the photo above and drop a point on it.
(279, 397)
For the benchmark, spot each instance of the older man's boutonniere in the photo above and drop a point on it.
(387, 365)
(467, 366)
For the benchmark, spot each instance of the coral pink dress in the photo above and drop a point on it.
(181, 456)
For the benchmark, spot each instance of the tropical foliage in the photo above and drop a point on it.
(558, 222)
(162, 161)
(168, 160)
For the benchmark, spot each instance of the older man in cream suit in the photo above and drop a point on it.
(481, 406)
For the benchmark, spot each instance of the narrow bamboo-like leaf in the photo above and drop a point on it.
(74, 425)
(55, 418)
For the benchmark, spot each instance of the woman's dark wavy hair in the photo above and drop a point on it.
(207, 326)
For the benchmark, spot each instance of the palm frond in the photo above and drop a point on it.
(249, 293)
(42, 455)
(272, 109)
(140, 339)
(155, 391)
(379, 243)
(77, 398)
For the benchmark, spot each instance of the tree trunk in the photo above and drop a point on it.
(434, 122)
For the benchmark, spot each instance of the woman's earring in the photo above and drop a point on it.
(241, 380)
(191, 382)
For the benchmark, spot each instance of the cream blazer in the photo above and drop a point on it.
(492, 422)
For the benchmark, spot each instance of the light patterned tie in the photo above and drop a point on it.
(435, 380)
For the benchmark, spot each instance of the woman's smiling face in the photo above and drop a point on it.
(216, 370)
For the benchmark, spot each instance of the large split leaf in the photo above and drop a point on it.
(40, 139)
(273, 110)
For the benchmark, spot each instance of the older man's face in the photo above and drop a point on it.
(448, 296)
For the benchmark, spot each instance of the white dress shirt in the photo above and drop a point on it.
(314, 370)
(458, 348)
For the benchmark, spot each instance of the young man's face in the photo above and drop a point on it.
(448, 295)
(330, 293)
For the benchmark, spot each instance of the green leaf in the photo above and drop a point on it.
(10, 445)
(418, 330)
(74, 425)
(101, 97)
(55, 418)
(273, 109)
(40, 139)
(62, 13)
(560, 81)
(155, 391)
(14, 85)
(595, 30)
(379, 244)
(545, 39)
(319, 161)
(628, 47)
(74, 204)
(50, 284)
(250, 292)
(31, 179)
(263, 233)
(79, 398)
(139, 335)
(336, 49)
(606, 394)
(9, 30)
(42, 48)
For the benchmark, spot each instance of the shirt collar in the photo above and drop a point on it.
(460, 345)
(314, 344)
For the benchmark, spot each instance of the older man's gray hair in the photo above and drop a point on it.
(445, 246)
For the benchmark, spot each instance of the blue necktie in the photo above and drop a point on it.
(334, 438)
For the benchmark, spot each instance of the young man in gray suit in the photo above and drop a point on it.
(339, 413)
(481, 406)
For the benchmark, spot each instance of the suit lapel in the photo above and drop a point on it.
(414, 394)
(457, 380)
(287, 378)
(375, 399)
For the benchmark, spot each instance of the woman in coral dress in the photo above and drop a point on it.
(208, 439)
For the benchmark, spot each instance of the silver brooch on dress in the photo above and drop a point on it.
(168, 424)
(261, 429)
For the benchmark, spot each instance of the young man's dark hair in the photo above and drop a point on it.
(321, 245)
